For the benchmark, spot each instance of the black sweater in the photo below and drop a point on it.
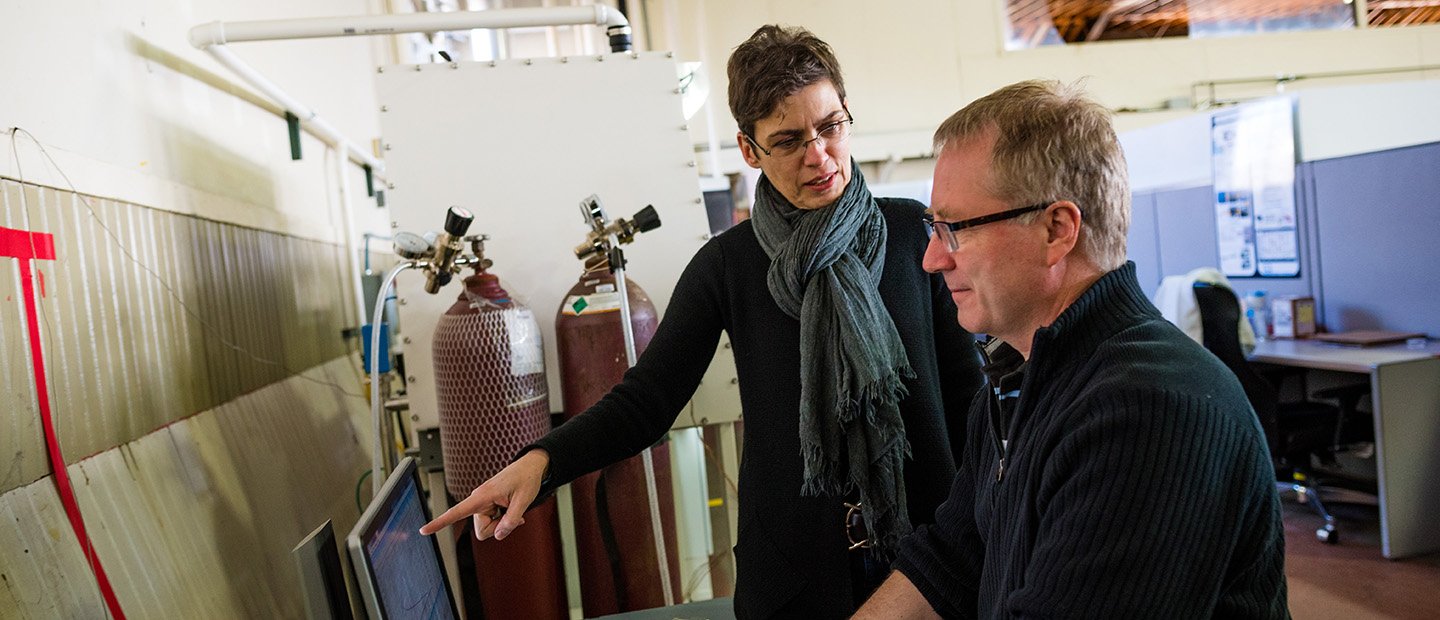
(792, 551)
(1137, 483)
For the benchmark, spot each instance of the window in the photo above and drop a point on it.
(1035, 23)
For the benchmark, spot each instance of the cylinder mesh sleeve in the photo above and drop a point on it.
(491, 391)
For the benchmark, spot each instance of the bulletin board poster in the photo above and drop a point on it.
(1253, 157)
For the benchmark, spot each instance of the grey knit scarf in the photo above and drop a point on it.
(825, 266)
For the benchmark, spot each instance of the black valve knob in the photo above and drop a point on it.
(647, 219)
(457, 221)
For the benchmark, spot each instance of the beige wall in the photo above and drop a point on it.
(910, 63)
(132, 111)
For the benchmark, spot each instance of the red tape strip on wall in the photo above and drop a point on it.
(27, 246)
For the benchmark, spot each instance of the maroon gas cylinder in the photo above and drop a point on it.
(612, 507)
(493, 401)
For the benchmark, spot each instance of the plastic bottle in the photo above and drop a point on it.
(1257, 311)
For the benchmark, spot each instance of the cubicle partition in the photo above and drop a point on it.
(1143, 243)
(1369, 239)
(1379, 237)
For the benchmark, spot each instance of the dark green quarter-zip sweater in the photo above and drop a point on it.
(1136, 483)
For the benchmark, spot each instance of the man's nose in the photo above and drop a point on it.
(937, 256)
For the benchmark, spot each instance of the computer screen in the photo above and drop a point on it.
(322, 578)
(399, 571)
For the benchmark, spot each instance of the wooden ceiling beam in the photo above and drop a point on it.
(1092, 20)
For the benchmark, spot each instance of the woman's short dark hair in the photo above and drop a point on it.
(773, 64)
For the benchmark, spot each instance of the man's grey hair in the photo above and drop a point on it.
(1052, 142)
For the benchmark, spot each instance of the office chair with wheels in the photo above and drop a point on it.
(1296, 431)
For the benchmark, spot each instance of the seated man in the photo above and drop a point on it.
(1112, 467)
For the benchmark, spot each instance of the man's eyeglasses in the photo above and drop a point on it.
(947, 230)
(829, 133)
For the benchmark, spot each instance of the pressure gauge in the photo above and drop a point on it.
(411, 246)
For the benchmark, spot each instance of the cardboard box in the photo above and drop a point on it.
(1292, 316)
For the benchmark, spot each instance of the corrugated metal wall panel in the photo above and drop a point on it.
(197, 519)
(151, 317)
(188, 346)
(45, 575)
(71, 350)
(126, 353)
(20, 432)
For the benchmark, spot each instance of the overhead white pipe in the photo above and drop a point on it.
(212, 38)
(317, 126)
(347, 219)
(220, 33)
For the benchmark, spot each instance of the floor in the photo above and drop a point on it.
(1351, 580)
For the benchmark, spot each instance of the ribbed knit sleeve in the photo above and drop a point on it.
(1141, 507)
(944, 559)
(638, 411)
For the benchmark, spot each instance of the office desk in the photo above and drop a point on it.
(1405, 393)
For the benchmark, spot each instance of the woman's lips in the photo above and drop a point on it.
(823, 183)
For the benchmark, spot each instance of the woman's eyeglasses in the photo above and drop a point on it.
(789, 148)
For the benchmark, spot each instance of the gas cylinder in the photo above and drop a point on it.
(493, 401)
(612, 508)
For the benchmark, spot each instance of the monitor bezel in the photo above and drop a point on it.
(316, 586)
(370, 520)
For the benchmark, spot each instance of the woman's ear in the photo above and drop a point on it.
(747, 150)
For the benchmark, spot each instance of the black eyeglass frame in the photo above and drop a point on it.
(806, 143)
(953, 227)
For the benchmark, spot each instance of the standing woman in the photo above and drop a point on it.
(854, 375)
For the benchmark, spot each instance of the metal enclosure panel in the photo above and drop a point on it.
(521, 143)
(1377, 234)
(717, 399)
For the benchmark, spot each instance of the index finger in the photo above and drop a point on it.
(475, 504)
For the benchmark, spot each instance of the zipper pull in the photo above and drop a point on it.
(1000, 472)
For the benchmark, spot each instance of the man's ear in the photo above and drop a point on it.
(747, 150)
(1062, 226)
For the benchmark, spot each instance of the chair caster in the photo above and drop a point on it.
(1328, 535)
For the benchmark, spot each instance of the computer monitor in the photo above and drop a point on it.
(322, 576)
(398, 570)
